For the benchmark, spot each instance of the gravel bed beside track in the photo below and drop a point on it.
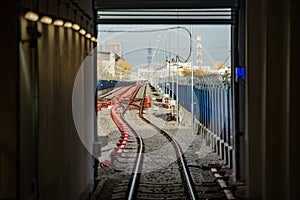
(193, 146)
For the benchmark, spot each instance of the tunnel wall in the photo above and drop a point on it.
(54, 164)
(64, 9)
(9, 102)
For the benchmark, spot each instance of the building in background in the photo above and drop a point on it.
(111, 66)
(115, 47)
(106, 64)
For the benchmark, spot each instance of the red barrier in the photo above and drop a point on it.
(115, 115)
(166, 103)
(147, 102)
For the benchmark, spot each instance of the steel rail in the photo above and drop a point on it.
(139, 158)
(186, 176)
(100, 97)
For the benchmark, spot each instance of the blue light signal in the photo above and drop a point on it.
(240, 73)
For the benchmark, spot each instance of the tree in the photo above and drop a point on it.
(186, 72)
(123, 64)
(219, 65)
(199, 72)
(127, 66)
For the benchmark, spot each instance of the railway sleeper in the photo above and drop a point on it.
(123, 142)
(161, 185)
(208, 184)
(120, 160)
(212, 196)
(159, 198)
(124, 135)
(208, 190)
(117, 196)
(126, 156)
(158, 190)
(120, 167)
(120, 189)
(127, 140)
(129, 148)
(128, 145)
(162, 197)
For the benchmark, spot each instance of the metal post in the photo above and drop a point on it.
(169, 79)
(192, 99)
(177, 65)
(192, 92)
(166, 68)
(166, 80)
(172, 80)
(177, 101)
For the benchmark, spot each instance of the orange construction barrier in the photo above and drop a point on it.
(147, 102)
(166, 103)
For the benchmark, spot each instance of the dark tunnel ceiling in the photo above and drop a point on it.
(163, 4)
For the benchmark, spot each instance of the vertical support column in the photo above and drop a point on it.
(293, 115)
(238, 93)
(277, 97)
(270, 83)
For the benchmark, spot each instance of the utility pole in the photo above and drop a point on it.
(192, 86)
(177, 98)
(165, 56)
(172, 80)
(169, 78)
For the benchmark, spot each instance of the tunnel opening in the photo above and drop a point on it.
(165, 45)
(42, 156)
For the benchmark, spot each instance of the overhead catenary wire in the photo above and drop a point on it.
(158, 30)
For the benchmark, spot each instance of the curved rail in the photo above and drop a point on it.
(109, 93)
(186, 176)
(139, 140)
(123, 101)
(138, 162)
(139, 158)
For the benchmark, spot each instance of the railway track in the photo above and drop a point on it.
(173, 181)
(153, 163)
(108, 94)
(104, 100)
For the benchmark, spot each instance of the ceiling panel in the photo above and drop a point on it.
(162, 4)
(166, 11)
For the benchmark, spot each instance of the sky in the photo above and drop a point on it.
(215, 42)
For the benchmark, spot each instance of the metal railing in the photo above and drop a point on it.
(212, 108)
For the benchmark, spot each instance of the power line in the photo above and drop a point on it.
(157, 30)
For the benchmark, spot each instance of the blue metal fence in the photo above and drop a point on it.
(213, 109)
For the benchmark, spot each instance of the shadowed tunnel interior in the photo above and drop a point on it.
(42, 156)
